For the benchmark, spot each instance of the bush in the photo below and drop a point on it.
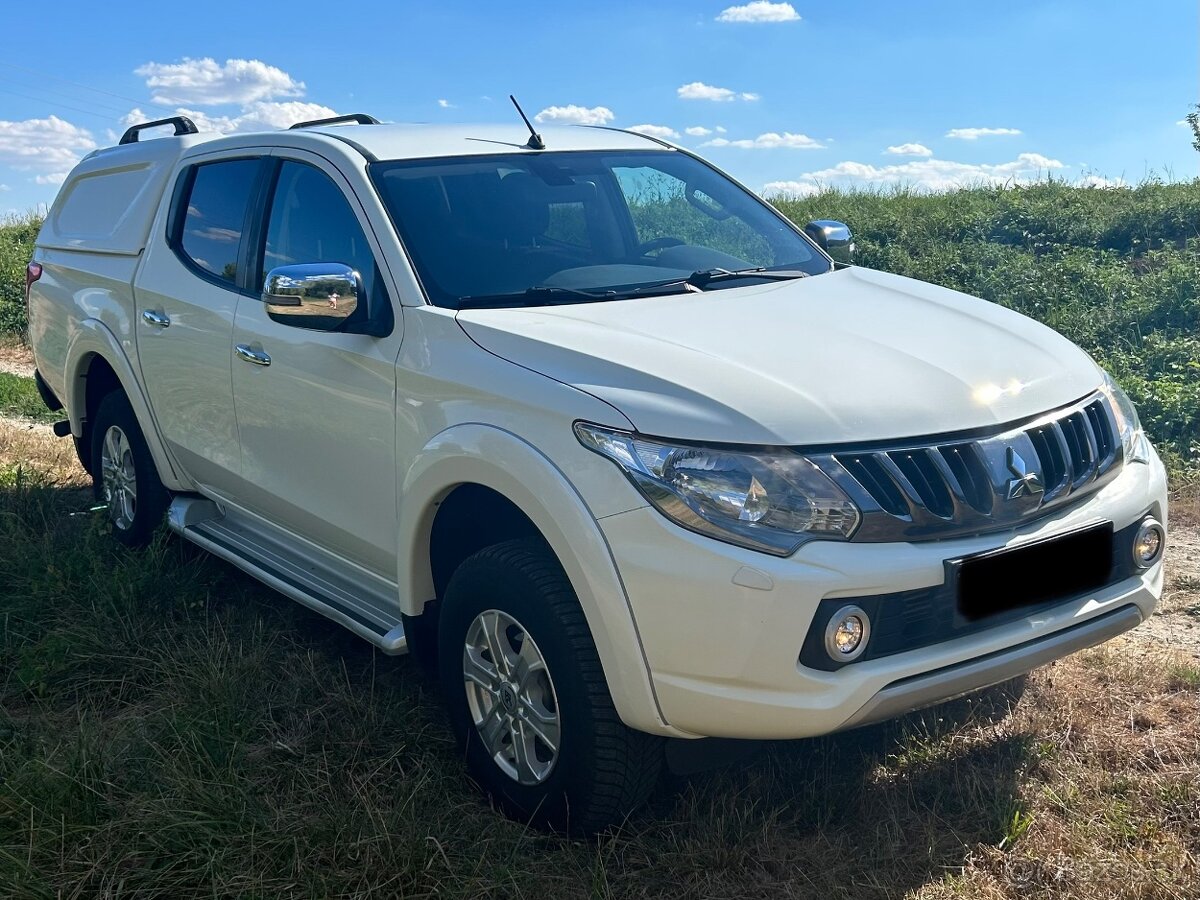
(17, 235)
(1117, 270)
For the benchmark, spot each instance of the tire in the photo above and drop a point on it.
(601, 770)
(117, 437)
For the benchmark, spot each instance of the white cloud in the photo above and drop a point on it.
(790, 188)
(721, 129)
(445, 104)
(53, 178)
(4, 187)
(698, 90)
(658, 131)
(575, 115)
(760, 11)
(923, 174)
(46, 145)
(770, 141)
(909, 150)
(929, 174)
(259, 116)
(972, 134)
(205, 82)
(698, 131)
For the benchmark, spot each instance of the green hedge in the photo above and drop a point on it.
(1115, 270)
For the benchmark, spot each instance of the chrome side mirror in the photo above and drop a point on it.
(834, 238)
(320, 296)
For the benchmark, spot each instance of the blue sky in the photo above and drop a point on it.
(783, 96)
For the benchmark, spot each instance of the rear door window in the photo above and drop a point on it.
(215, 216)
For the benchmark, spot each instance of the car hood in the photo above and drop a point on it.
(851, 356)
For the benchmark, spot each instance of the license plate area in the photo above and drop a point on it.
(1035, 574)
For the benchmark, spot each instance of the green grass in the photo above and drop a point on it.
(19, 398)
(170, 728)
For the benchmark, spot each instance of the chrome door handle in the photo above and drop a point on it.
(157, 319)
(250, 355)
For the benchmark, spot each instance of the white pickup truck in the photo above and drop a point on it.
(592, 428)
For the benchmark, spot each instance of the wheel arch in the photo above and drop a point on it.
(97, 365)
(482, 461)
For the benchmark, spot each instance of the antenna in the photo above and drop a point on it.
(535, 139)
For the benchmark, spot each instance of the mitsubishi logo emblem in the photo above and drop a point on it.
(1023, 483)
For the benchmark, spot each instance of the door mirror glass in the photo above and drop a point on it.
(320, 296)
(834, 238)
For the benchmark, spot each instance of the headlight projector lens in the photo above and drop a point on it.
(847, 634)
(1149, 542)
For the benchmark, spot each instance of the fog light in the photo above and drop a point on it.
(1148, 543)
(847, 633)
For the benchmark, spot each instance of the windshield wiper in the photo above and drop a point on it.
(702, 278)
(538, 295)
(549, 295)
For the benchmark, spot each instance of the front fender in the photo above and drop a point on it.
(498, 459)
(92, 338)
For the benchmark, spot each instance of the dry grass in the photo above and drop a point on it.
(169, 728)
(15, 356)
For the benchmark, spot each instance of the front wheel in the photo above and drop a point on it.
(527, 697)
(124, 474)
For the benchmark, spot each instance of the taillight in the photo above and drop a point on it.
(33, 272)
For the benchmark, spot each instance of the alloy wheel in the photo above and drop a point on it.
(511, 697)
(119, 478)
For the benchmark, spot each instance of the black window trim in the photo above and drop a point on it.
(177, 216)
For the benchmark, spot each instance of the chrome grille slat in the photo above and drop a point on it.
(935, 489)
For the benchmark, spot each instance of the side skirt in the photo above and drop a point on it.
(360, 602)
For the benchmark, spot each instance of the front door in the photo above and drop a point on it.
(316, 408)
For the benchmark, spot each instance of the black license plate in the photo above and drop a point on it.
(1040, 572)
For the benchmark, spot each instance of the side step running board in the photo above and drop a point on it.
(321, 590)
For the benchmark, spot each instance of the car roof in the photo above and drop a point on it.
(396, 142)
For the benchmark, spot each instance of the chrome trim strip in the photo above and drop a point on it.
(920, 691)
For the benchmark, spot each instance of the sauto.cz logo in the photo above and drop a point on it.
(1024, 482)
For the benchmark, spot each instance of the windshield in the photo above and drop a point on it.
(573, 227)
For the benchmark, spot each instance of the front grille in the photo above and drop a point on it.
(937, 489)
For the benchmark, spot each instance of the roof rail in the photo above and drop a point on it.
(358, 118)
(183, 125)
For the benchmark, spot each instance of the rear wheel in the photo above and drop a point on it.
(124, 474)
(527, 697)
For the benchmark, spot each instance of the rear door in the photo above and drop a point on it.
(187, 294)
(316, 408)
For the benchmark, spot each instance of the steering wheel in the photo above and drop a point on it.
(647, 247)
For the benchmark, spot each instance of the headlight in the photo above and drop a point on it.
(1134, 443)
(772, 501)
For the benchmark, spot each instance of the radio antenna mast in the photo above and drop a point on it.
(535, 139)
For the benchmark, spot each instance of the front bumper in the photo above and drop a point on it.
(722, 627)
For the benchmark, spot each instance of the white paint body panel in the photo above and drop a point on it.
(851, 356)
(348, 443)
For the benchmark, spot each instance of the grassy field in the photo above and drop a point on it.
(169, 728)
